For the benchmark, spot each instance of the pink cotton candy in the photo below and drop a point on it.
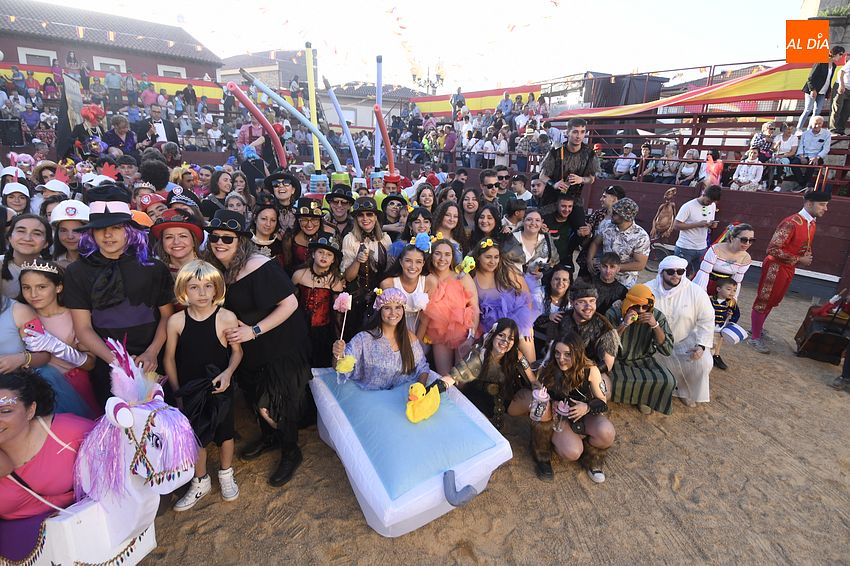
(343, 302)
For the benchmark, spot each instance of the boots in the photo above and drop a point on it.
(541, 449)
(290, 459)
(254, 450)
(592, 459)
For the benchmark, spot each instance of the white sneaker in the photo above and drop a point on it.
(198, 488)
(229, 488)
(598, 476)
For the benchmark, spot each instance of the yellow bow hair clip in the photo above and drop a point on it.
(486, 243)
(438, 236)
(378, 291)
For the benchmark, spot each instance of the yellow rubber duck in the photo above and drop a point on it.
(421, 404)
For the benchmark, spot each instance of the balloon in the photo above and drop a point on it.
(295, 114)
(255, 112)
(345, 130)
(379, 100)
(383, 127)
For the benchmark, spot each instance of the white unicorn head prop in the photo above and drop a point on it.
(141, 444)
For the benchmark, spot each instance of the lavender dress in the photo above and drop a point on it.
(378, 367)
(495, 304)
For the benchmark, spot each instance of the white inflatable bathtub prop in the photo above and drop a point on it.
(140, 449)
(405, 475)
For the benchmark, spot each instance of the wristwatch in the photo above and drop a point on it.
(256, 330)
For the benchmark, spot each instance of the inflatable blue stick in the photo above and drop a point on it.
(345, 130)
(295, 114)
(379, 98)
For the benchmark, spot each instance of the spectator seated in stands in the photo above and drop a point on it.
(813, 148)
(688, 168)
(624, 167)
(666, 167)
(747, 176)
(763, 142)
(784, 149)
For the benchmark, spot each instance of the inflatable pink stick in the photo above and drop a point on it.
(379, 116)
(255, 112)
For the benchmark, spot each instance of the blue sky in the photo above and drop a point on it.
(481, 44)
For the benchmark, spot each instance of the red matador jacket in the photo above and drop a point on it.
(791, 241)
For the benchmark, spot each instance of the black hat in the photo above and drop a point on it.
(265, 200)
(183, 196)
(817, 196)
(308, 207)
(287, 176)
(327, 242)
(340, 191)
(364, 204)
(515, 205)
(109, 205)
(390, 198)
(228, 220)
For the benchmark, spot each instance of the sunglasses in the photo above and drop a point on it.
(490, 185)
(281, 183)
(230, 224)
(747, 240)
(674, 271)
(215, 238)
(501, 178)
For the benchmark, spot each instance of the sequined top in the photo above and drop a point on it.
(378, 367)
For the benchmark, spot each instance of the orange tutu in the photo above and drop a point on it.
(450, 315)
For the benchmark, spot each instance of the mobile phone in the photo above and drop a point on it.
(35, 325)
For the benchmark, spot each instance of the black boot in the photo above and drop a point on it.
(290, 459)
(541, 449)
(265, 443)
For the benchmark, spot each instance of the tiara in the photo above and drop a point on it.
(34, 265)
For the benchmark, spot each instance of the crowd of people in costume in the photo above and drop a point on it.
(501, 286)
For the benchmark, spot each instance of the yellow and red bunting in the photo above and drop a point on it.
(477, 101)
(785, 81)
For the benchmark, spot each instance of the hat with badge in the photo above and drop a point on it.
(329, 243)
(69, 210)
(341, 191)
(182, 196)
(307, 207)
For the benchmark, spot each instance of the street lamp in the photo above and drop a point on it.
(426, 82)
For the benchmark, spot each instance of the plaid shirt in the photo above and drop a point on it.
(763, 143)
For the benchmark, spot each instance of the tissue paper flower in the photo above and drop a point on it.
(345, 364)
(343, 302)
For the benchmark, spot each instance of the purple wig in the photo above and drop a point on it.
(137, 243)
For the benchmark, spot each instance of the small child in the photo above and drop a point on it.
(197, 360)
(318, 284)
(726, 314)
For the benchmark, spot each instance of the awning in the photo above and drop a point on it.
(785, 81)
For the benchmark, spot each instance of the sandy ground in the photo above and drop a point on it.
(758, 476)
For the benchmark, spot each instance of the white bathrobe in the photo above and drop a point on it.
(691, 318)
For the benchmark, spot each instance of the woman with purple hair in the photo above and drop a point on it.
(116, 290)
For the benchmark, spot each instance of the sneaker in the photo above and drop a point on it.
(229, 487)
(198, 488)
(758, 345)
(597, 475)
(841, 383)
(719, 363)
(544, 471)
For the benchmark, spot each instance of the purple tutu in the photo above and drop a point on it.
(495, 304)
